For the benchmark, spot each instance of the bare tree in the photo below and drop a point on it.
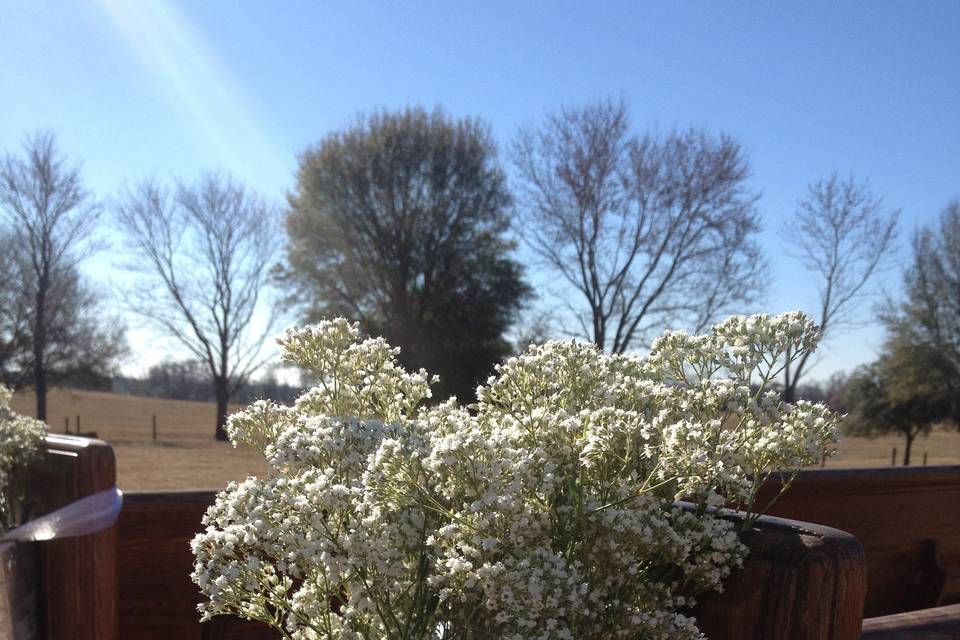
(844, 236)
(648, 230)
(51, 327)
(203, 252)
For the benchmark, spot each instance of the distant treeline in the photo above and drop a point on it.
(186, 380)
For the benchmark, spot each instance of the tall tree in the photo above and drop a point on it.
(15, 347)
(400, 222)
(203, 253)
(902, 393)
(648, 230)
(52, 324)
(930, 315)
(843, 235)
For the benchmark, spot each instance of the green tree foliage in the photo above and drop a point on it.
(931, 313)
(902, 392)
(399, 222)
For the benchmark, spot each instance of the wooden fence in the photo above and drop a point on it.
(132, 581)
(801, 583)
(907, 518)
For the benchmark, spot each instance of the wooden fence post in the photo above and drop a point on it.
(78, 576)
(154, 428)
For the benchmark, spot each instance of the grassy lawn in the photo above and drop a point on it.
(185, 455)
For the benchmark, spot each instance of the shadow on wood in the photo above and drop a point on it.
(19, 591)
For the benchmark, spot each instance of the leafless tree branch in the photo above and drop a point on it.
(843, 235)
(203, 252)
(649, 230)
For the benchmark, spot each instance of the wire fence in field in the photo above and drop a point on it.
(123, 419)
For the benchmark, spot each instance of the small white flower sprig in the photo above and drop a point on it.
(21, 440)
(544, 511)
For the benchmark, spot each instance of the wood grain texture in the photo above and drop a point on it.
(19, 591)
(78, 576)
(800, 582)
(157, 599)
(907, 519)
(940, 623)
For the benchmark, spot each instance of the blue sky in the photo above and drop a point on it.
(153, 87)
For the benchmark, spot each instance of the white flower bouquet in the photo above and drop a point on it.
(21, 440)
(547, 510)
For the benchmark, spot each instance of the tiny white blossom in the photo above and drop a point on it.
(21, 439)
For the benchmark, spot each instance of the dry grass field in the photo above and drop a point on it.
(185, 456)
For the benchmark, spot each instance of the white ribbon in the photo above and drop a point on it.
(81, 517)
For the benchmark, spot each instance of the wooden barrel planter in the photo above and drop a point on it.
(19, 591)
(801, 581)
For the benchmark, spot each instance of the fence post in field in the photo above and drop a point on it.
(154, 427)
(78, 424)
(893, 458)
(924, 458)
(66, 424)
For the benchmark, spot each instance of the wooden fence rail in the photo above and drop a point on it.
(132, 581)
(802, 581)
(908, 520)
(941, 623)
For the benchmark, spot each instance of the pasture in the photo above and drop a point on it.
(185, 455)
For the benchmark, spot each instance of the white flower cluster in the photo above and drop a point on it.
(21, 439)
(547, 510)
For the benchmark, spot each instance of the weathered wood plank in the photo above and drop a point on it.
(941, 623)
(77, 575)
(19, 591)
(158, 600)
